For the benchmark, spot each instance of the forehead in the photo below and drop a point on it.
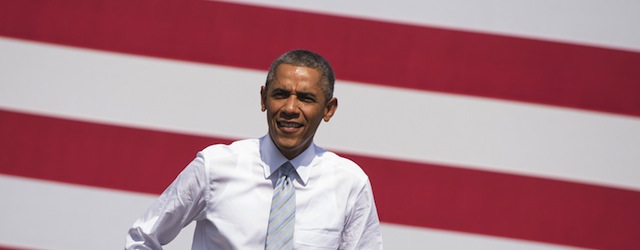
(293, 77)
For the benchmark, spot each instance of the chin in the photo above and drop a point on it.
(288, 146)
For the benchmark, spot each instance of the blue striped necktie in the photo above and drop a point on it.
(283, 211)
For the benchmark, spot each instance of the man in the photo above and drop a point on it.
(280, 191)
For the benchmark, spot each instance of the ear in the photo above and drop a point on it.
(330, 109)
(263, 98)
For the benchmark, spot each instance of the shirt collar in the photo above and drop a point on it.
(272, 159)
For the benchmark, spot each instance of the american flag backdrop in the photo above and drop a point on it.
(493, 124)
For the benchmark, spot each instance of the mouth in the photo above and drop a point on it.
(288, 126)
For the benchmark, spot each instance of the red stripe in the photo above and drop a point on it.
(407, 193)
(11, 248)
(94, 154)
(504, 205)
(361, 50)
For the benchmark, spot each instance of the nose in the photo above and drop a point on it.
(291, 107)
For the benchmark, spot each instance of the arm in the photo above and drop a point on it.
(362, 229)
(182, 202)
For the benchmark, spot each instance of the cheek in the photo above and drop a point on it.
(274, 105)
(270, 108)
(314, 116)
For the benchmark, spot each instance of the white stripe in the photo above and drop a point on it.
(592, 22)
(386, 122)
(39, 214)
(63, 216)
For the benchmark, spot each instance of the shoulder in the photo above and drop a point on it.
(236, 148)
(220, 160)
(341, 164)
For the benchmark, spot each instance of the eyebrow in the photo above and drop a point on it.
(299, 93)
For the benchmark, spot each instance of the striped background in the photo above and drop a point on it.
(483, 125)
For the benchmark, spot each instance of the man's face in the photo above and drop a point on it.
(295, 106)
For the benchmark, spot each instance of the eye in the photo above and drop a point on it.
(306, 98)
(280, 95)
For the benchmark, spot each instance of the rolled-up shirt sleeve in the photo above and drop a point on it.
(182, 202)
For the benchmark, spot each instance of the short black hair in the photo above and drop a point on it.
(305, 58)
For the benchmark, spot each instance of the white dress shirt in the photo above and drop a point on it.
(227, 190)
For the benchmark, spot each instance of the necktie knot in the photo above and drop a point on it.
(286, 169)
